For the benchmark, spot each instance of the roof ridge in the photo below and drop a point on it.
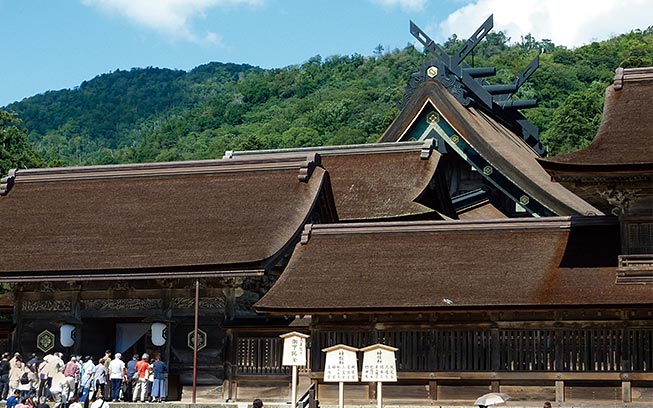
(7, 182)
(339, 150)
(303, 164)
(453, 226)
(622, 75)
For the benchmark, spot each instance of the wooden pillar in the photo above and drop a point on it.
(316, 387)
(433, 390)
(625, 353)
(167, 310)
(560, 391)
(559, 365)
(76, 312)
(230, 354)
(18, 318)
(494, 386)
(371, 390)
(495, 349)
(229, 302)
(626, 391)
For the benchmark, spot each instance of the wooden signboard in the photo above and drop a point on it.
(294, 349)
(340, 366)
(294, 354)
(379, 364)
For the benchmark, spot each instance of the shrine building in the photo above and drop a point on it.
(454, 239)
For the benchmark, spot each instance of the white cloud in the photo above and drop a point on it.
(172, 17)
(407, 5)
(565, 22)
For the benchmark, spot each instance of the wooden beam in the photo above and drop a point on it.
(513, 376)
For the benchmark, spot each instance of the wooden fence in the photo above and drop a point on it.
(559, 350)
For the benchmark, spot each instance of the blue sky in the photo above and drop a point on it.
(50, 45)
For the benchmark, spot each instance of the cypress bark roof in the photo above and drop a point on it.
(624, 142)
(493, 141)
(160, 219)
(439, 265)
(378, 182)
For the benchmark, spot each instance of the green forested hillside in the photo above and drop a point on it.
(155, 114)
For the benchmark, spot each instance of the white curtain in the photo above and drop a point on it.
(129, 333)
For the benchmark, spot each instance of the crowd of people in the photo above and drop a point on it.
(78, 383)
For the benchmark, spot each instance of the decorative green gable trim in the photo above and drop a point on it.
(430, 124)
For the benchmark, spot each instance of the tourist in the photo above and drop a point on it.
(159, 369)
(71, 372)
(24, 403)
(257, 403)
(100, 379)
(25, 382)
(107, 385)
(132, 377)
(57, 387)
(143, 369)
(54, 367)
(87, 381)
(42, 373)
(79, 376)
(43, 403)
(117, 374)
(547, 404)
(33, 363)
(100, 403)
(4, 376)
(74, 403)
(15, 358)
(16, 374)
(14, 399)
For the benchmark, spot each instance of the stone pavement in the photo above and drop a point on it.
(372, 404)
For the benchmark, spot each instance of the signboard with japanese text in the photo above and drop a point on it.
(379, 364)
(294, 349)
(341, 364)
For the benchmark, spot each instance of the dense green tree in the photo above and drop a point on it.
(15, 150)
(576, 121)
(160, 114)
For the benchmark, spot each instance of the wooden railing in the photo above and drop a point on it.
(511, 350)
(260, 356)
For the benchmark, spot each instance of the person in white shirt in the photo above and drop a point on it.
(56, 389)
(117, 374)
(87, 383)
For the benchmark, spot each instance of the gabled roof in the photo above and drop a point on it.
(377, 182)
(403, 267)
(202, 218)
(616, 170)
(624, 142)
(496, 151)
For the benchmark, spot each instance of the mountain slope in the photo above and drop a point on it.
(156, 114)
